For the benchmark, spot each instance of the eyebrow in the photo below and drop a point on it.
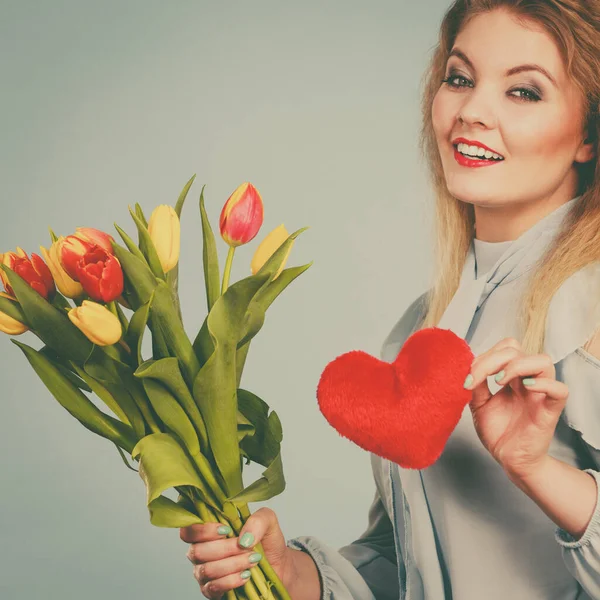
(514, 70)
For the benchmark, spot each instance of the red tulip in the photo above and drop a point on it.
(33, 270)
(95, 236)
(242, 215)
(70, 251)
(100, 274)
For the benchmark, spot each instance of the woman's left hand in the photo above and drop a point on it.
(517, 423)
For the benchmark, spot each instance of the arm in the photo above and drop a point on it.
(366, 569)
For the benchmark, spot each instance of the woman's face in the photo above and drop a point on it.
(535, 124)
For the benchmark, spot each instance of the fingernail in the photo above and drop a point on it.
(224, 530)
(468, 381)
(528, 381)
(499, 376)
(247, 540)
(245, 574)
(256, 557)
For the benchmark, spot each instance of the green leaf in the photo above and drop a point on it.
(13, 310)
(147, 247)
(65, 368)
(104, 395)
(140, 278)
(244, 427)
(50, 324)
(264, 446)
(166, 513)
(53, 236)
(125, 459)
(269, 485)
(118, 380)
(77, 403)
(140, 215)
(166, 320)
(183, 195)
(171, 414)
(163, 465)
(131, 245)
(167, 372)
(215, 388)
(210, 258)
(135, 331)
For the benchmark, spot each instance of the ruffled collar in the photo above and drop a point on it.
(574, 311)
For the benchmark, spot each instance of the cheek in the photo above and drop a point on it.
(440, 115)
(543, 135)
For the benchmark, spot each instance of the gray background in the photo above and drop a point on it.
(108, 103)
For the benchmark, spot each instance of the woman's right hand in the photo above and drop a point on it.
(223, 563)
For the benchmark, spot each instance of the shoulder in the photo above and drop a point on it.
(409, 321)
(573, 319)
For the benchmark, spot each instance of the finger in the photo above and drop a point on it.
(260, 524)
(228, 566)
(556, 392)
(536, 365)
(508, 342)
(490, 364)
(203, 552)
(217, 587)
(206, 532)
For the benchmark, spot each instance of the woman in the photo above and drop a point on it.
(510, 509)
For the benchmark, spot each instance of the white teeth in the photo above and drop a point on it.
(477, 152)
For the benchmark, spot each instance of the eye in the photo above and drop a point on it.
(527, 94)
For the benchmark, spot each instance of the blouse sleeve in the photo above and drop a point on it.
(366, 569)
(580, 370)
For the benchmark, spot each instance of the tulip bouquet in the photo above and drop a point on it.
(181, 413)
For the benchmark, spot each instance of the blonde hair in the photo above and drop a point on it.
(575, 28)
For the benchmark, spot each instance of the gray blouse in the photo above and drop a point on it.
(460, 529)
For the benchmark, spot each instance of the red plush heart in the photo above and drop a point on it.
(405, 410)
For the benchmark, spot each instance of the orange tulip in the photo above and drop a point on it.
(95, 236)
(242, 215)
(33, 270)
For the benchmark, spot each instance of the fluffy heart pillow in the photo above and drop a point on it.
(406, 410)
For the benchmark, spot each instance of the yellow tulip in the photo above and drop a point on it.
(97, 323)
(8, 324)
(165, 231)
(268, 247)
(66, 286)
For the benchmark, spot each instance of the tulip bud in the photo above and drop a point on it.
(8, 324)
(100, 275)
(33, 270)
(268, 247)
(68, 287)
(95, 236)
(70, 250)
(165, 231)
(97, 323)
(242, 216)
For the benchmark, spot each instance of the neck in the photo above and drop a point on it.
(503, 223)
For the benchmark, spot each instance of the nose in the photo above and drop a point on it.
(477, 109)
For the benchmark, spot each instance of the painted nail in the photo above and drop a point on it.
(245, 574)
(528, 381)
(256, 557)
(468, 381)
(499, 376)
(247, 540)
(224, 530)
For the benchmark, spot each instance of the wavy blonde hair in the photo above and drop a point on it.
(575, 27)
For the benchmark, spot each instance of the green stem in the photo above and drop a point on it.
(227, 270)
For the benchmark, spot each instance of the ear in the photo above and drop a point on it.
(586, 151)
